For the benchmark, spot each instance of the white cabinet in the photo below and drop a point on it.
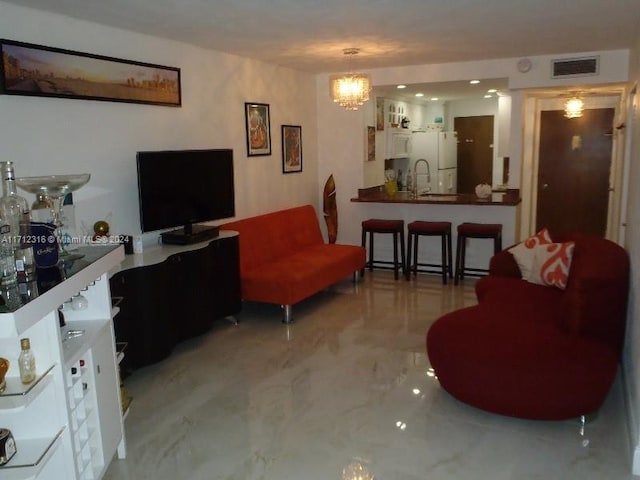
(67, 424)
(398, 143)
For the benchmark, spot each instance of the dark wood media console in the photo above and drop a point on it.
(170, 293)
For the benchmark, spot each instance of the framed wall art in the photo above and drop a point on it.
(258, 129)
(36, 70)
(291, 148)
(371, 144)
(379, 113)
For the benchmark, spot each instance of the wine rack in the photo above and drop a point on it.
(68, 422)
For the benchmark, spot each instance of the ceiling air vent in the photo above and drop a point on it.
(575, 67)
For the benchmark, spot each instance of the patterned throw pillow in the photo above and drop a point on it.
(551, 264)
(523, 252)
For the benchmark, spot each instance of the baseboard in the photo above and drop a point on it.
(628, 386)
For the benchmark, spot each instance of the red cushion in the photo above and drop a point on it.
(480, 230)
(383, 226)
(429, 228)
(299, 275)
(265, 238)
(521, 368)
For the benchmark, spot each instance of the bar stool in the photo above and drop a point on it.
(395, 227)
(475, 230)
(429, 229)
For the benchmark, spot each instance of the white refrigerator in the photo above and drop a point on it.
(440, 150)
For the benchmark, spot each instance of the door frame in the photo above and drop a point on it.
(533, 104)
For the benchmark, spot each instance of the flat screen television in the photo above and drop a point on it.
(182, 188)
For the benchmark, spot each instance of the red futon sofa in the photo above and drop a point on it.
(534, 351)
(283, 257)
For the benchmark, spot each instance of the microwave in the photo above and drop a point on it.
(398, 143)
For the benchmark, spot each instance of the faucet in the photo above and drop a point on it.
(415, 175)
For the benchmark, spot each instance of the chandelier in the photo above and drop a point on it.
(573, 107)
(350, 90)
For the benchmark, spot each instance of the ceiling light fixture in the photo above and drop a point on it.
(474, 82)
(573, 107)
(401, 87)
(350, 90)
(419, 94)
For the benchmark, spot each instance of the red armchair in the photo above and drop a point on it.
(534, 351)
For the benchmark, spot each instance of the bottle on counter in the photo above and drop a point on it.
(26, 362)
(10, 298)
(41, 209)
(8, 274)
(409, 181)
(16, 222)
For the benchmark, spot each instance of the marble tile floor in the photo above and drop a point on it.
(344, 393)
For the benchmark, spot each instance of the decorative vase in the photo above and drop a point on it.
(483, 190)
(330, 209)
(4, 367)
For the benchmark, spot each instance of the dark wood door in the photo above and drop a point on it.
(475, 151)
(573, 171)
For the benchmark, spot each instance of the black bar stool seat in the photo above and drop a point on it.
(394, 227)
(475, 230)
(429, 229)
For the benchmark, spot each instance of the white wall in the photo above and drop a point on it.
(631, 359)
(341, 153)
(46, 136)
(340, 134)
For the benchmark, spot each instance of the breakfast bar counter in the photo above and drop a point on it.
(378, 195)
(501, 207)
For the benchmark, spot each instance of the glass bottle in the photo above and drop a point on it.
(409, 181)
(11, 300)
(8, 274)
(26, 362)
(28, 289)
(41, 209)
(14, 211)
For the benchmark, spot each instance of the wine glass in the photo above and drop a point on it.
(55, 188)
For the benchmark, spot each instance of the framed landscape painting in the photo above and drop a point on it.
(291, 148)
(258, 125)
(36, 70)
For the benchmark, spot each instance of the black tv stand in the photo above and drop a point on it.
(208, 288)
(190, 234)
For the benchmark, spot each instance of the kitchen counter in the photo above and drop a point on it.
(378, 195)
(500, 207)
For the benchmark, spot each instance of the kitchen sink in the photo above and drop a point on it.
(438, 197)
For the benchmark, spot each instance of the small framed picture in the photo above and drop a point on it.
(291, 148)
(371, 144)
(379, 113)
(258, 129)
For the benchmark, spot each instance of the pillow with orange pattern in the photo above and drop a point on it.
(523, 252)
(551, 264)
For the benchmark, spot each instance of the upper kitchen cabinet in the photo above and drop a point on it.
(398, 143)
